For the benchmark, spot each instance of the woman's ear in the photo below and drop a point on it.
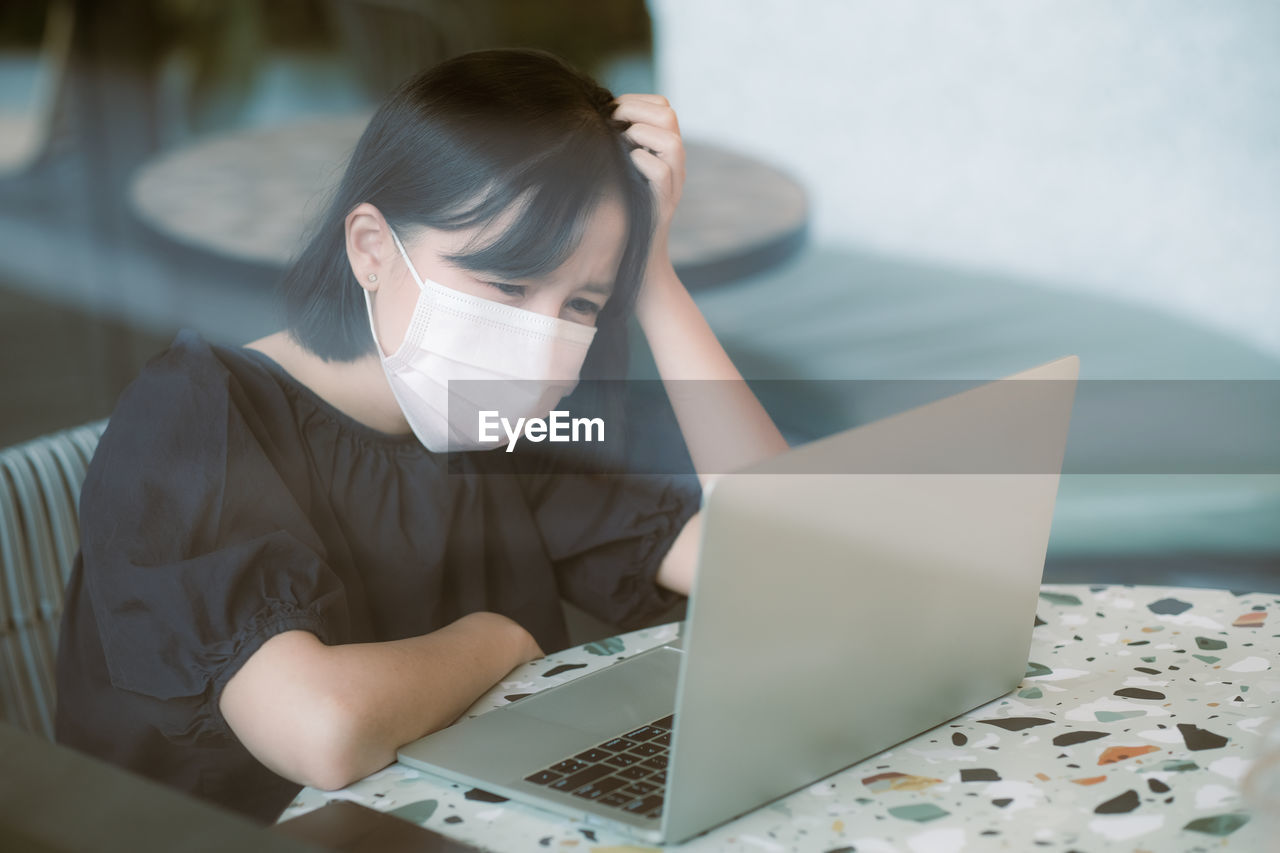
(368, 241)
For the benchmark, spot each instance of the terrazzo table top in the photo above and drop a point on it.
(1140, 714)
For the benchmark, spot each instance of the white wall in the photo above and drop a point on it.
(1131, 148)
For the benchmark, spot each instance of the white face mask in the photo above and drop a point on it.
(456, 336)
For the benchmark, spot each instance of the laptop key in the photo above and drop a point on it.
(660, 777)
(622, 759)
(666, 722)
(645, 805)
(569, 765)
(639, 788)
(643, 733)
(599, 788)
(617, 798)
(542, 777)
(636, 772)
(663, 739)
(592, 755)
(574, 781)
(658, 762)
(647, 749)
(618, 744)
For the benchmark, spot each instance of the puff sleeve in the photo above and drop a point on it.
(196, 546)
(606, 536)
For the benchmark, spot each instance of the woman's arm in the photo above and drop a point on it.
(723, 424)
(326, 716)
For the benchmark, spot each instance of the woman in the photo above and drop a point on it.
(280, 578)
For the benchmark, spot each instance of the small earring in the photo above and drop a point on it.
(373, 276)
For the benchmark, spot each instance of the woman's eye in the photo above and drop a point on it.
(584, 306)
(507, 289)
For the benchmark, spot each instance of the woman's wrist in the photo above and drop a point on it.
(660, 284)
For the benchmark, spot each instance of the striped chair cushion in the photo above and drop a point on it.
(39, 536)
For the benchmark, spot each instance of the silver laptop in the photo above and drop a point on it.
(850, 594)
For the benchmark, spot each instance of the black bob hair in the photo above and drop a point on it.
(456, 145)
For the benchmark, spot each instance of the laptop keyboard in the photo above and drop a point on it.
(628, 771)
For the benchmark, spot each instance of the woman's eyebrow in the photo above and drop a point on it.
(595, 287)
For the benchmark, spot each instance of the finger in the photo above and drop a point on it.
(660, 141)
(657, 171)
(653, 99)
(672, 159)
(647, 112)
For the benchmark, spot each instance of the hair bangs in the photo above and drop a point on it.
(551, 201)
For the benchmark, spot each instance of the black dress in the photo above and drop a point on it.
(227, 502)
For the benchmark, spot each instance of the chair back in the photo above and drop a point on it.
(39, 536)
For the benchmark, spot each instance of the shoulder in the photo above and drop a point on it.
(181, 394)
(189, 388)
(179, 381)
(157, 463)
(177, 414)
(200, 429)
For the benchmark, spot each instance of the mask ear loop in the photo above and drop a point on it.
(368, 301)
(407, 262)
(368, 309)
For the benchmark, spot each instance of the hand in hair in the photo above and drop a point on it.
(660, 158)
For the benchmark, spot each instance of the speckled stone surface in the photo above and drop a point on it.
(1141, 712)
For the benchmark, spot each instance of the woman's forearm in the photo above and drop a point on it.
(327, 715)
(723, 424)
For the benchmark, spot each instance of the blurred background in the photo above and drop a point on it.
(880, 191)
(91, 93)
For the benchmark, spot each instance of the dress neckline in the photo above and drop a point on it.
(333, 413)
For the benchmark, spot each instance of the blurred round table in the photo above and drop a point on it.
(1140, 714)
(251, 195)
